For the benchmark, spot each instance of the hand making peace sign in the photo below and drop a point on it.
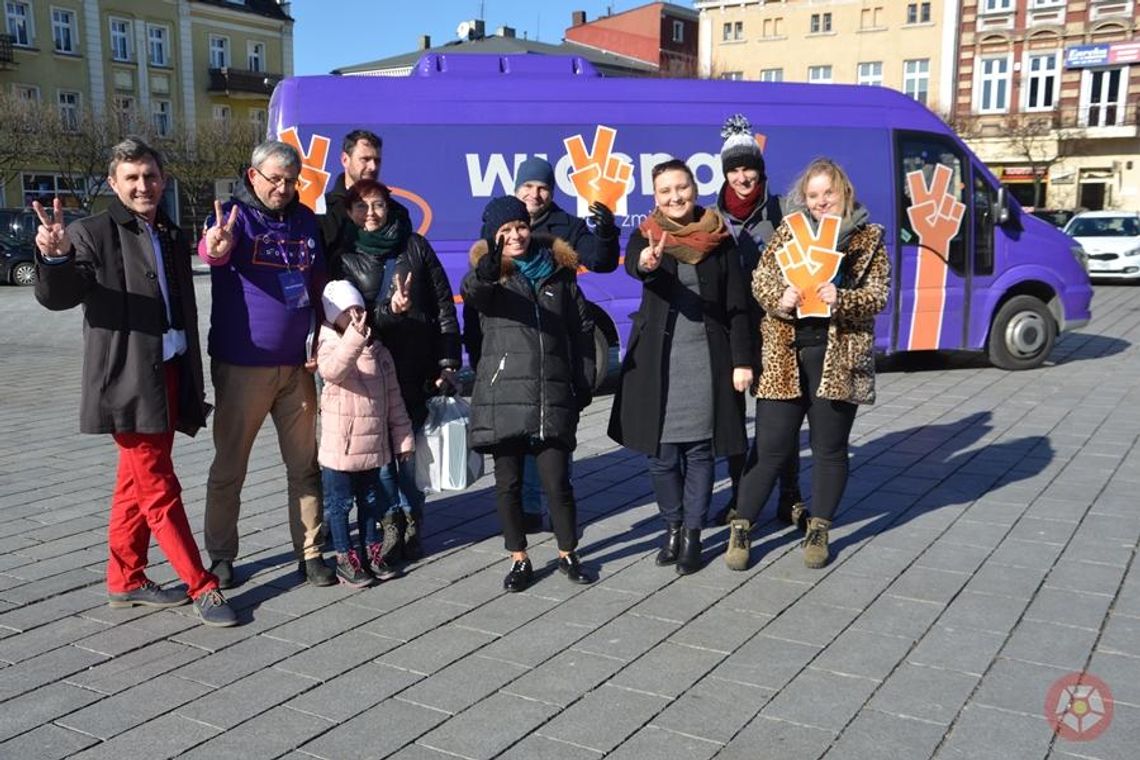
(51, 237)
(402, 296)
(650, 257)
(220, 237)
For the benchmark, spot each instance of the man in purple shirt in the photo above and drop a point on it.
(264, 251)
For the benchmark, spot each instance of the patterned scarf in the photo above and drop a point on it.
(691, 242)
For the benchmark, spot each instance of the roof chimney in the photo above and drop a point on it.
(505, 31)
(480, 29)
(577, 18)
(425, 41)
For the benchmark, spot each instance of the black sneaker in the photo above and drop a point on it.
(572, 569)
(214, 610)
(316, 572)
(520, 576)
(380, 569)
(150, 594)
(223, 570)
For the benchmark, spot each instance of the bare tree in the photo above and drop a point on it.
(199, 155)
(19, 134)
(75, 145)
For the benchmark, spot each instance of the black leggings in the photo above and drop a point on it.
(789, 475)
(778, 422)
(553, 464)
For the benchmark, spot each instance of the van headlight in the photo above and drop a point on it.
(1080, 255)
(1133, 252)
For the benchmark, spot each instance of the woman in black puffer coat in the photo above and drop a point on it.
(534, 374)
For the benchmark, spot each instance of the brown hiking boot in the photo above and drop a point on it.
(739, 545)
(816, 553)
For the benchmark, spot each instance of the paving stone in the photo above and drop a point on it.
(165, 737)
(41, 706)
(489, 727)
(820, 699)
(541, 748)
(966, 650)
(564, 678)
(268, 735)
(415, 619)
(856, 652)
(1016, 686)
(881, 736)
(810, 623)
(1121, 635)
(985, 612)
(767, 662)
(924, 693)
(714, 709)
(604, 718)
(504, 614)
(662, 744)
(1006, 580)
(436, 649)
(241, 700)
(44, 669)
(896, 616)
(48, 742)
(668, 669)
(396, 721)
(1054, 644)
(315, 627)
(1117, 742)
(462, 684)
(409, 752)
(1069, 607)
(237, 661)
(353, 692)
(777, 740)
(47, 637)
(983, 733)
(627, 638)
(134, 706)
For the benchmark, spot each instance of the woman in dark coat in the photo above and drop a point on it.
(534, 375)
(688, 361)
(412, 309)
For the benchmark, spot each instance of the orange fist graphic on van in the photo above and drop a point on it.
(598, 176)
(313, 177)
(936, 215)
(809, 260)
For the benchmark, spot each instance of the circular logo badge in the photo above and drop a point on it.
(1079, 707)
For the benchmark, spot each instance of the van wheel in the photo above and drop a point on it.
(601, 358)
(1022, 334)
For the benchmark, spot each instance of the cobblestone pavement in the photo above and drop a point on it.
(985, 549)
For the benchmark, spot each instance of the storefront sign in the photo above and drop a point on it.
(1104, 54)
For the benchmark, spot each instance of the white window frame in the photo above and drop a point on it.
(821, 74)
(995, 78)
(158, 110)
(772, 75)
(162, 43)
(869, 73)
(222, 113)
(1039, 4)
(126, 36)
(26, 22)
(996, 6)
(259, 118)
(732, 76)
(916, 72)
(29, 92)
(216, 62)
(678, 30)
(71, 27)
(252, 46)
(1043, 76)
(918, 7)
(1086, 104)
(70, 124)
(820, 23)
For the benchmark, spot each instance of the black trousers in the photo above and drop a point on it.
(553, 464)
(777, 426)
(789, 474)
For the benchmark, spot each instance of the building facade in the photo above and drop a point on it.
(893, 43)
(1047, 95)
(663, 35)
(161, 64)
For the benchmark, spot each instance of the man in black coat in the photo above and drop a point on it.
(360, 156)
(129, 267)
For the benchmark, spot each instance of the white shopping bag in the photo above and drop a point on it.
(444, 462)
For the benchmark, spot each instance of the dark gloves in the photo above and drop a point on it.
(604, 225)
(490, 266)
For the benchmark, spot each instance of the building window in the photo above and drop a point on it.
(1041, 82)
(1035, 4)
(19, 17)
(125, 111)
(160, 115)
(771, 75)
(120, 39)
(871, 73)
(994, 85)
(819, 74)
(43, 188)
(678, 31)
(63, 33)
(256, 56)
(733, 30)
(260, 120)
(222, 113)
(820, 22)
(916, 78)
(734, 76)
(1102, 97)
(996, 6)
(158, 45)
(219, 52)
(918, 13)
(28, 92)
(69, 110)
(871, 18)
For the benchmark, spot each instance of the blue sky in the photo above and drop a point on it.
(333, 33)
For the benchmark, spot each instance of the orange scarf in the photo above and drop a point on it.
(691, 242)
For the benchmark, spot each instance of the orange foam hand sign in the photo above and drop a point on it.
(810, 259)
(599, 176)
(313, 178)
(935, 214)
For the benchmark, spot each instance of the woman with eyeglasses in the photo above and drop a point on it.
(411, 308)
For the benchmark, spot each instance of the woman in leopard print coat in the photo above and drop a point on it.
(814, 367)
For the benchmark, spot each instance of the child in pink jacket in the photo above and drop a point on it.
(362, 417)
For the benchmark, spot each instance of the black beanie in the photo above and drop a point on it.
(740, 147)
(500, 211)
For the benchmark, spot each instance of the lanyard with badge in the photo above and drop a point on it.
(295, 256)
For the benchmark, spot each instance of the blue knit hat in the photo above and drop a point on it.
(535, 169)
(500, 211)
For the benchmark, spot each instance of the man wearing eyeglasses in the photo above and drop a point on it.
(267, 267)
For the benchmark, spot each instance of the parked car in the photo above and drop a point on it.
(20, 224)
(1058, 217)
(1112, 241)
(17, 261)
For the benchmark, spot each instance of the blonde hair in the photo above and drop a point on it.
(840, 182)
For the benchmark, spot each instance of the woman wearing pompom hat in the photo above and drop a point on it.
(534, 375)
(752, 214)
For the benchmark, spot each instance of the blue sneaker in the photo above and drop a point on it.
(214, 610)
(150, 594)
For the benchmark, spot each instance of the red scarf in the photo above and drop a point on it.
(742, 208)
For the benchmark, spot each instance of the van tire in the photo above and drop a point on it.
(1022, 334)
(601, 358)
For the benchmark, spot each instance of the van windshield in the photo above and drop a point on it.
(1106, 226)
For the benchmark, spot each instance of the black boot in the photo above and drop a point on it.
(689, 556)
(670, 546)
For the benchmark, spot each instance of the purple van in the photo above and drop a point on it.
(970, 269)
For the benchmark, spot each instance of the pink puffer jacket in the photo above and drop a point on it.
(361, 406)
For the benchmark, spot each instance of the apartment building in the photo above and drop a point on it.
(891, 43)
(1048, 93)
(165, 64)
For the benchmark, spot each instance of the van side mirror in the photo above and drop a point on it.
(1002, 210)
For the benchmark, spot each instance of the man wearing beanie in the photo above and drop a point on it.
(752, 215)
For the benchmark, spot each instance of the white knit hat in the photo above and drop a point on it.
(338, 297)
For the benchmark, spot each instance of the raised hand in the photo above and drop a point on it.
(650, 257)
(51, 237)
(603, 217)
(489, 267)
(402, 297)
(220, 237)
(358, 318)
